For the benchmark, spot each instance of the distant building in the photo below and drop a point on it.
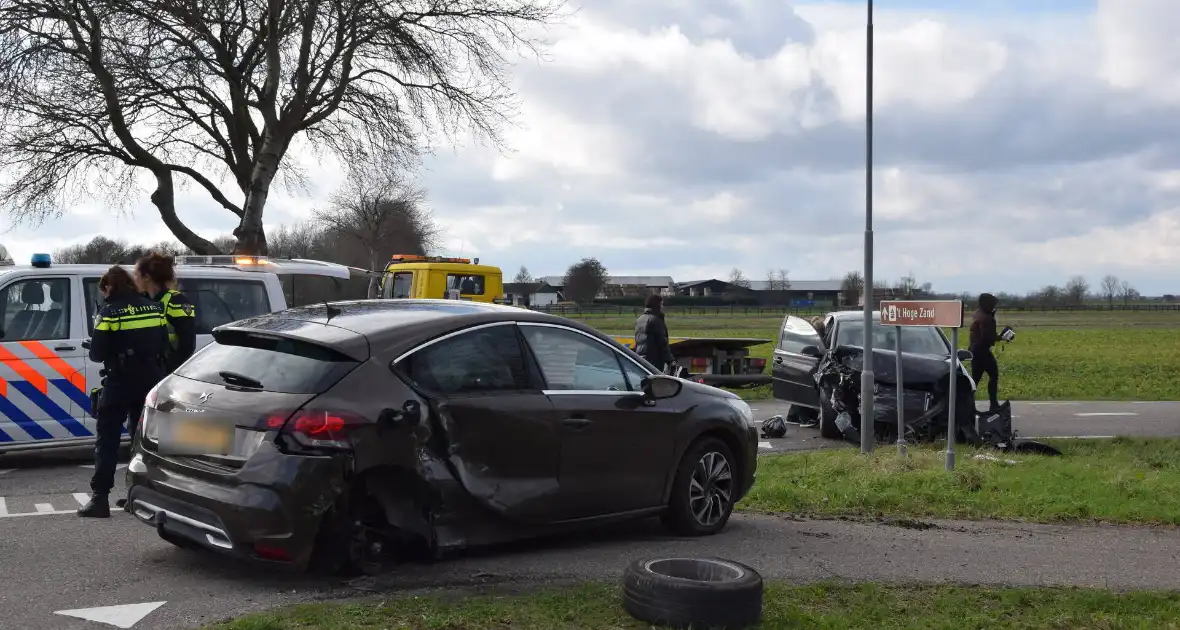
(799, 293)
(625, 286)
(531, 294)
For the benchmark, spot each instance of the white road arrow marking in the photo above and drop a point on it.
(1107, 413)
(122, 616)
(117, 466)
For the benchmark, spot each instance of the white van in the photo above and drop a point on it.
(47, 311)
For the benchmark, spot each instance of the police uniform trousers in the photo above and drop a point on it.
(118, 405)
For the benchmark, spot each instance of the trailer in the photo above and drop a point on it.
(721, 361)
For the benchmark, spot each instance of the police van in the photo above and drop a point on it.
(47, 311)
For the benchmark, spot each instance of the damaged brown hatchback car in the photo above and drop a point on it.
(344, 435)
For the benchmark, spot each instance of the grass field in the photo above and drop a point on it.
(823, 605)
(1100, 355)
(1130, 481)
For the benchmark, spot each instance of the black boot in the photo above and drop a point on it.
(97, 507)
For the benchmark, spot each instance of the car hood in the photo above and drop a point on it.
(917, 369)
(707, 390)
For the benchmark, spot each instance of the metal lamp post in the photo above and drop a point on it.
(867, 377)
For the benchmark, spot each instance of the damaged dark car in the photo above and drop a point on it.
(819, 374)
(343, 436)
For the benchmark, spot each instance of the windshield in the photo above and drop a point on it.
(914, 340)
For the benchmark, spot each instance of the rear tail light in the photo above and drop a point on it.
(699, 363)
(149, 401)
(757, 365)
(318, 428)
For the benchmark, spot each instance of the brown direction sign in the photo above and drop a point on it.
(943, 313)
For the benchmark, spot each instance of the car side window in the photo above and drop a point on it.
(217, 301)
(482, 361)
(796, 334)
(94, 302)
(35, 309)
(635, 375)
(573, 362)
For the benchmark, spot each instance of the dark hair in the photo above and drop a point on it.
(653, 301)
(117, 281)
(159, 267)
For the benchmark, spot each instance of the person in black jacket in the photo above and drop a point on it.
(129, 340)
(983, 337)
(651, 335)
(156, 276)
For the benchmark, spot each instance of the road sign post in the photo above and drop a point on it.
(939, 314)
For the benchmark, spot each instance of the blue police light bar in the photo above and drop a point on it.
(41, 260)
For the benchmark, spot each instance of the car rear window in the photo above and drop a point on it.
(279, 365)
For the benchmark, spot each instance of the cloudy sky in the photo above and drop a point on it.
(1018, 143)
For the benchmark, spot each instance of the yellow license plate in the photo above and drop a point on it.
(202, 437)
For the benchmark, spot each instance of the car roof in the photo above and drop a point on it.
(390, 327)
(183, 271)
(846, 315)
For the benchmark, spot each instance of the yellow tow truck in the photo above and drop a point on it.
(441, 278)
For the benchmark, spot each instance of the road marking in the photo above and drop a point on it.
(82, 498)
(43, 508)
(6, 471)
(122, 616)
(765, 445)
(91, 466)
(1106, 413)
(1070, 437)
(3, 507)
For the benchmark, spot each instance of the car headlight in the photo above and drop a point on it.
(743, 410)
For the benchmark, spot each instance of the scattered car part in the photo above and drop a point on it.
(693, 593)
(774, 427)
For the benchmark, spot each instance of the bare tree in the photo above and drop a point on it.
(1127, 293)
(1110, 288)
(381, 214)
(907, 285)
(738, 279)
(1076, 290)
(851, 287)
(107, 92)
(1049, 295)
(523, 276)
(772, 283)
(585, 280)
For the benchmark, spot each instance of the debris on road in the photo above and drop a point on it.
(693, 593)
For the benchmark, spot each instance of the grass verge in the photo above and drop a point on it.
(823, 605)
(1124, 480)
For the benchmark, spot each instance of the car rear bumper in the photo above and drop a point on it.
(270, 510)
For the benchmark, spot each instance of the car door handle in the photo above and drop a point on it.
(65, 348)
(576, 423)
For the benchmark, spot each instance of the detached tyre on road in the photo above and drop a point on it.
(693, 592)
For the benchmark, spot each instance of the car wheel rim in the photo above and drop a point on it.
(710, 488)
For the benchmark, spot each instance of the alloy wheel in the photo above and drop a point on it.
(710, 488)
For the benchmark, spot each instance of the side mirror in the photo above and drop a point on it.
(85, 344)
(660, 387)
(811, 351)
(964, 355)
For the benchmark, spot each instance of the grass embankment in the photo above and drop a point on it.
(1133, 481)
(824, 605)
(1066, 356)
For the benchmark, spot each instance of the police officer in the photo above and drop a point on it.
(156, 276)
(130, 338)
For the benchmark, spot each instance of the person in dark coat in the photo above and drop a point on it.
(651, 335)
(983, 337)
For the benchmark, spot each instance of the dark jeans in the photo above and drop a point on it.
(114, 409)
(984, 362)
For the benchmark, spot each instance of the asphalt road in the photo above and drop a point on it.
(53, 561)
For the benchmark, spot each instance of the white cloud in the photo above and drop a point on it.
(1013, 149)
